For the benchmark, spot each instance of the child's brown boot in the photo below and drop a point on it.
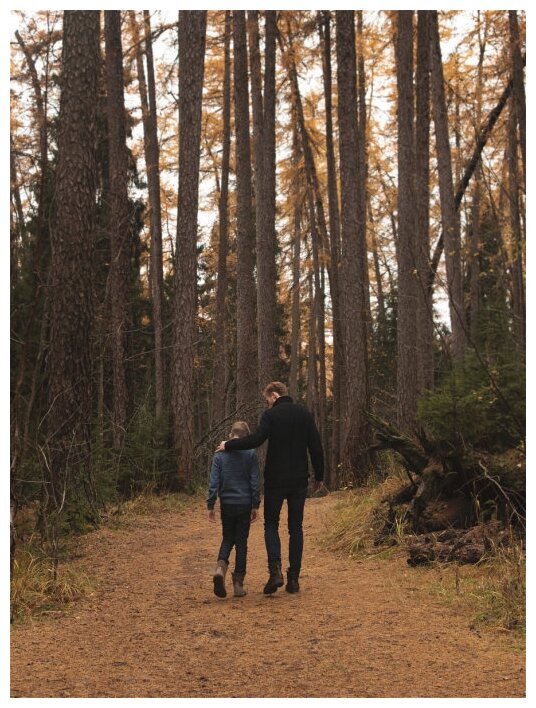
(219, 578)
(238, 584)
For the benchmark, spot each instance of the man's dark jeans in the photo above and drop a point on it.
(273, 501)
(235, 521)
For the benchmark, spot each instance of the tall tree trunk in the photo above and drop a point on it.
(70, 279)
(334, 242)
(18, 235)
(406, 330)
(362, 168)
(152, 163)
(519, 86)
(518, 286)
(377, 273)
(192, 32)
(264, 152)
(295, 317)
(220, 353)
(474, 250)
(270, 342)
(247, 362)
(312, 371)
(446, 194)
(356, 461)
(424, 310)
(119, 226)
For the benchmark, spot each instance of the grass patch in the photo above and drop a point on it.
(492, 591)
(358, 519)
(147, 503)
(37, 589)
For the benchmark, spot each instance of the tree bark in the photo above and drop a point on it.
(152, 159)
(518, 86)
(68, 418)
(192, 32)
(474, 250)
(362, 168)
(406, 331)
(518, 285)
(220, 352)
(294, 378)
(119, 226)
(334, 242)
(424, 310)
(447, 198)
(153, 176)
(264, 152)
(356, 461)
(247, 361)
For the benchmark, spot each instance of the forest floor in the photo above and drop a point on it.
(153, 627)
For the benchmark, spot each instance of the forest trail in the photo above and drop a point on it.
(154, 628)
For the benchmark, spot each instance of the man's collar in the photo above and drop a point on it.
(282, 399)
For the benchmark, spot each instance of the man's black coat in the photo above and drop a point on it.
(290, 430)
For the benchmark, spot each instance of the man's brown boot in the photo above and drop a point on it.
(275, 580)
(238, 584)
(219, 578)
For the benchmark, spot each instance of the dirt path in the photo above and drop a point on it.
(153, 628)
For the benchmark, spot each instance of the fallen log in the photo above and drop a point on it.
(459, 545)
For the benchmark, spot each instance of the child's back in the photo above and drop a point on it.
(235, 478)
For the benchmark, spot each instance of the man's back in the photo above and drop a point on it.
(291, 432)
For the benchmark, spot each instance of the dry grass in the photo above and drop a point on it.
(493, 591)
(37, 589)
(357, 520)
(146, 504)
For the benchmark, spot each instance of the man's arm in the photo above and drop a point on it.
(314, 443)
(256, 438)
(214, 483)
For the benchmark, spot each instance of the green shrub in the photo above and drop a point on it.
(468, 409)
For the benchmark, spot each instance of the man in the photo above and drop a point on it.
(291, 432)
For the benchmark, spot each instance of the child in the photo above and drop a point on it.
(235, 478)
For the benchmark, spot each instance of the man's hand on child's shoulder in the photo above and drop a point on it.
(221, 446)
(211, 515)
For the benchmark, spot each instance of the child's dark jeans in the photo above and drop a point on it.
(235, 521)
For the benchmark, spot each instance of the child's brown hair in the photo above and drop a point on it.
(239, 429)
